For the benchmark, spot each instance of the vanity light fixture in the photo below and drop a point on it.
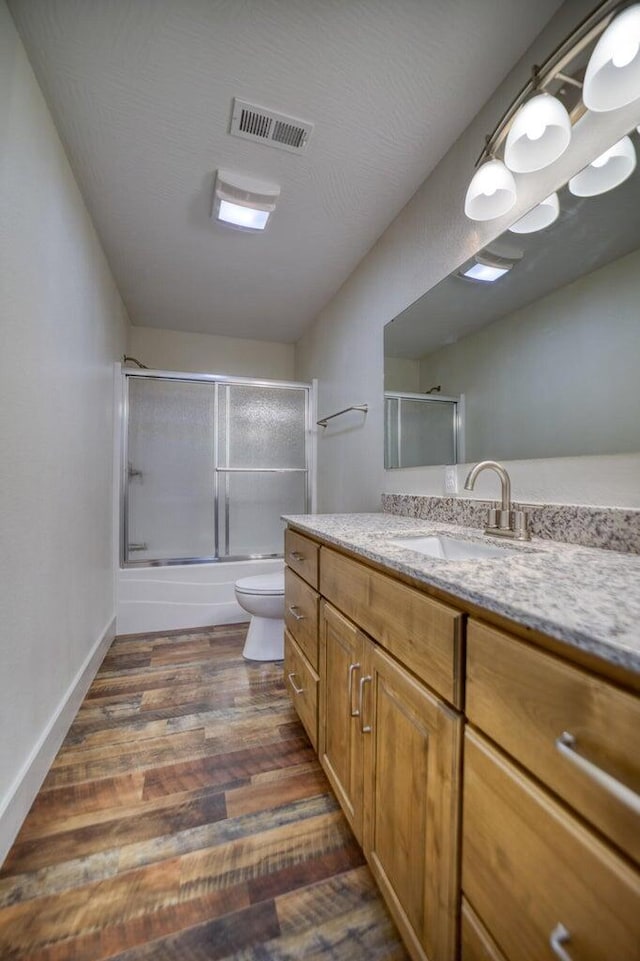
(243, 202)
(491, 193)
(607, 171)
(539, 217)
(539, 134)
(612, 79)
(535, 130)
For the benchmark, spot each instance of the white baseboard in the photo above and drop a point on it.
(14, 807)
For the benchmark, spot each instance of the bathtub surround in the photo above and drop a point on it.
(63, 326)
(609, 528)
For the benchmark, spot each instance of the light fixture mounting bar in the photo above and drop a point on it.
(553, 67)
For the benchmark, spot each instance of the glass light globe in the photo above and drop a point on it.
(607, 171)
(541, 216)
(612, 79)
(491, 193)
(539, 134)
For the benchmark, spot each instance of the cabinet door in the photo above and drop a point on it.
(412, 749)
(341, 658)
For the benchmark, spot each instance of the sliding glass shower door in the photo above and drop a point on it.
(210, 465)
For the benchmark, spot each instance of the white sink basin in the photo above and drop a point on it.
(449, 548)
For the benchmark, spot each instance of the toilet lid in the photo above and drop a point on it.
(262, 584)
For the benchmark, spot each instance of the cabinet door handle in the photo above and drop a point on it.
(294, 610)
(557, 938)
(566, 745)
(296, 555)
(352, 668)
(364, 728)
(297, 690)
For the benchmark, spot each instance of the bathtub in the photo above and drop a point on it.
(183, 596)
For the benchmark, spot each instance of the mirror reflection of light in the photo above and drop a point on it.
(607, 171)
(485, 273)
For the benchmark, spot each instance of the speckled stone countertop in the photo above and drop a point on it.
(585, 597)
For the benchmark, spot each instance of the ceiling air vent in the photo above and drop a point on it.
(267, 126)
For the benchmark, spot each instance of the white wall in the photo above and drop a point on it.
(211, 354)
(429, 239)
(63, 325)
(567, 381)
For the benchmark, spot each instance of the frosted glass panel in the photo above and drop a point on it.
(419, 432)
(262, 426)
(255, 504)
(171, 469)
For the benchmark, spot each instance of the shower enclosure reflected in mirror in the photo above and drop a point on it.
(210, 464)
(547, 357)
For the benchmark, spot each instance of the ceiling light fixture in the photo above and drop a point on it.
(607, 171)
(539, 217)
(612, 79)
(243, 202)
(487, 268)
(535, 130)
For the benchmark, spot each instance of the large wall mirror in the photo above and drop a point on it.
(543, 361)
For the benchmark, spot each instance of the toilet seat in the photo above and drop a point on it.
(266, 584)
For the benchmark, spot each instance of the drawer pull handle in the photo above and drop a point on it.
(294, 610)
(296, 555)
(557, 938)
(297, 690)
(352, 668)
(566, 745)
(364, 728)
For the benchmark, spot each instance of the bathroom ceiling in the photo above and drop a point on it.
(141, 92)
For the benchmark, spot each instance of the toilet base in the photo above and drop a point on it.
(265, 639)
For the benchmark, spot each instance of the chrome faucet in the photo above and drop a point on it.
(503, 521)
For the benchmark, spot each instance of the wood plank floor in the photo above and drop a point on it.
(186, 817)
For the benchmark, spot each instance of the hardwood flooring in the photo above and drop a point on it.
(186, 817)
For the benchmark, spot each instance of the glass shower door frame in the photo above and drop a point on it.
(217, 381)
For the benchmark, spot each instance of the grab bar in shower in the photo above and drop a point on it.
(323, 423)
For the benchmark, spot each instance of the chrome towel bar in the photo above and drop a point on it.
(323, 423)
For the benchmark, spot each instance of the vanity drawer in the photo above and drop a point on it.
(301, 605)
(529, 866)
(525, 699)
(422, 633)
(301, 554)
(302, 683)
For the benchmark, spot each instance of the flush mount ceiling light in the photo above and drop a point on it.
(612, 79)
(491, 193)
(535, 130)
(243, 202)
(539, 134)
(487, 269)
(539, 217)
(607, 171)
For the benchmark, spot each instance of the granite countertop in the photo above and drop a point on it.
(585, 597)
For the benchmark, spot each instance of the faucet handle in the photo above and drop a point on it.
(521, 525)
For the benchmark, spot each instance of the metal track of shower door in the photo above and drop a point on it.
(250, 470)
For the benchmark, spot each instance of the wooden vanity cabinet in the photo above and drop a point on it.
(488, 840)
(301, 629)
(548, 840)
(391, 747)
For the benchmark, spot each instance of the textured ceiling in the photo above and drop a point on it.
(141, 93)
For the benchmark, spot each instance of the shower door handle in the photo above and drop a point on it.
(138, 547)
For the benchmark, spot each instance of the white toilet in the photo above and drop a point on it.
(263, 597)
